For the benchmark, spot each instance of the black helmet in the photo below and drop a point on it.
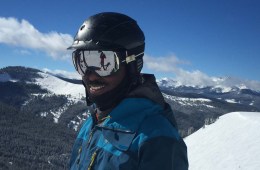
(112, 31)
(116, 32)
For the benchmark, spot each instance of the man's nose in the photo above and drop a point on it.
(91, 76)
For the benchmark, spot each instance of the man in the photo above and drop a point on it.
(132, 127)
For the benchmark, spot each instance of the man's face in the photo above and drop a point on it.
(97, 85)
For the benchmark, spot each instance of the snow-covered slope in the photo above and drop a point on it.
(231, 143)
(220, 85)
(58, 86)
(185, 101)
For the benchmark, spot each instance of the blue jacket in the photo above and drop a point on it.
(139, 134)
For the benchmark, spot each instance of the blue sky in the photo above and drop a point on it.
(190, 40)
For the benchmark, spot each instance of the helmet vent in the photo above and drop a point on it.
(82, 27)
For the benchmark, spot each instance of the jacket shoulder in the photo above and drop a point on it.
(157, 125)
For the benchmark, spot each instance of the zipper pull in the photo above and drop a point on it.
(79, 155)
(80, 149)
(93, 157)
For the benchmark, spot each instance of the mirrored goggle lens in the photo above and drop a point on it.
(104, 63)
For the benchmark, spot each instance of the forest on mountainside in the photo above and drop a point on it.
(31, 142)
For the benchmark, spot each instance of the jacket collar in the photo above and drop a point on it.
(124, 121)
(148, 89)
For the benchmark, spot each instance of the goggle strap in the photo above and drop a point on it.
(84, 60)
(75, 62)
(78, 65)
(131, 58)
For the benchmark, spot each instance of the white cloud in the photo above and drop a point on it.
(172, 64)
(193, 78)
(243, 84)
(163, 64)
(23, 34)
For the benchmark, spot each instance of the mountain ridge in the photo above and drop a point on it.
(183, 99)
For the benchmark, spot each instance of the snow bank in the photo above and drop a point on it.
(231, 143)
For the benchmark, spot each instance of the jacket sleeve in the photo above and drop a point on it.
(163, 153)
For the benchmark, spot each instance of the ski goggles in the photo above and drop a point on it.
(104, 63)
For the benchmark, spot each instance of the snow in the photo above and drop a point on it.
(56, 112)
(231, 101)
(167, 82)
(220, 85)
(231, 143)
(63, 73)
(57, 86)
(222, 89)
(74, 92)
(60, 87)
(76, 124)
(186, 98)
(185, 101)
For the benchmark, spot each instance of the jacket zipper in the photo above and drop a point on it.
(90, 137)
(93, 157)
(80, 149)
(79, 156)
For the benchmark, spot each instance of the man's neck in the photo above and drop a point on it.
(102, 115)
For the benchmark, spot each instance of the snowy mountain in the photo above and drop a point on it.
(232, 142)
(40, 100)
(218, 85)
(64, 97)
(194, 104)
(59, 99)
(58, 86)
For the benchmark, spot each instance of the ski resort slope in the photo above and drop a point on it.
(231, 143)
(60, 87)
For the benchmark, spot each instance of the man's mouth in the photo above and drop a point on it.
(96, 88)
